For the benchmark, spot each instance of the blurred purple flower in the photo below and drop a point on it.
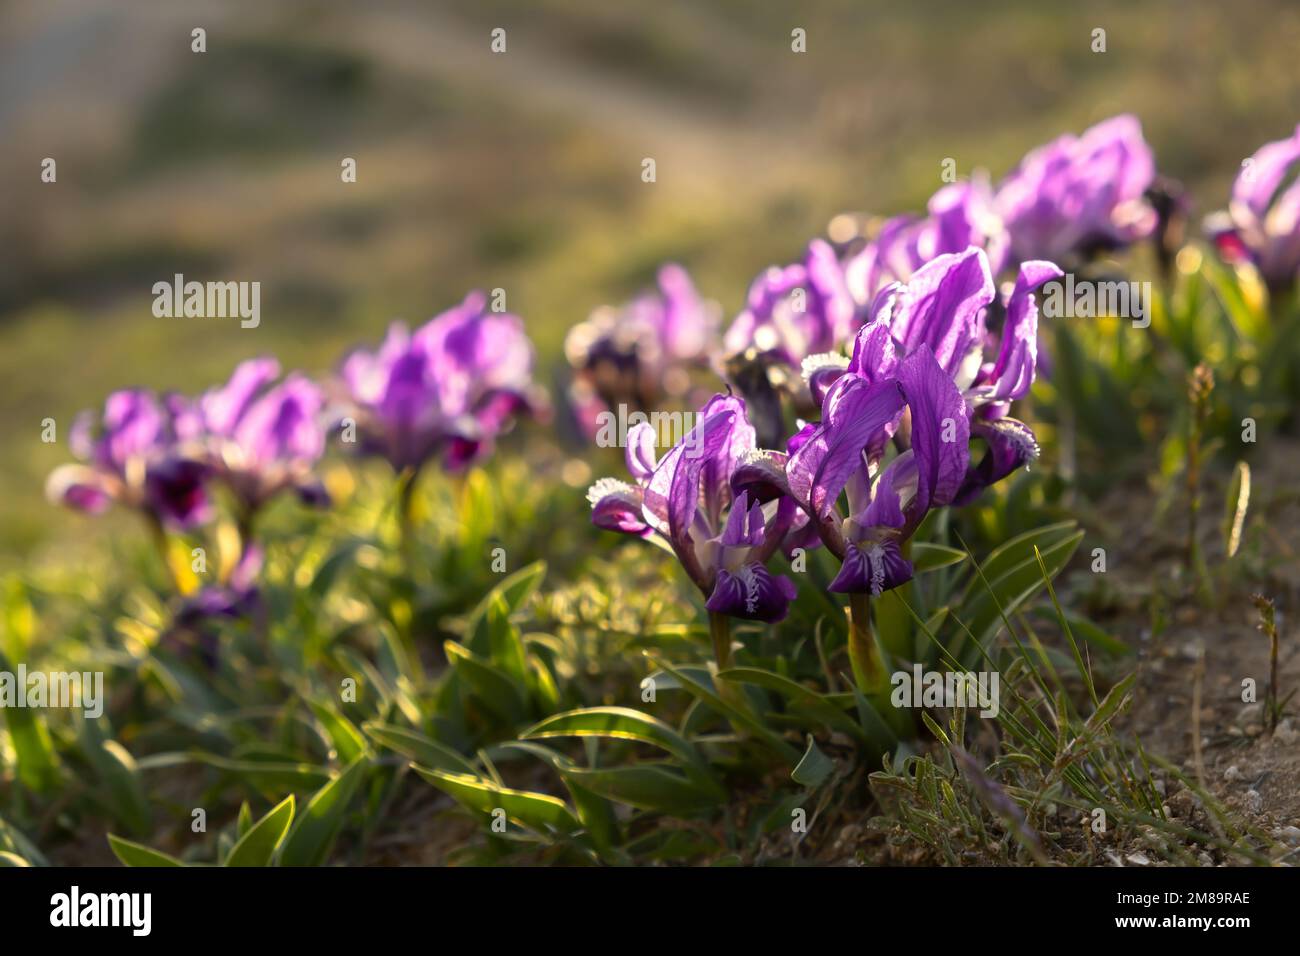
(639, 353)
(446, 390)
(137, 454)
(961, 215)
(1262, 222)
(263, 438)
(796, 311)
(237, 599)
(714, 501)
(1076, 195)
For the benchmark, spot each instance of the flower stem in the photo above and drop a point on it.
(158, 535)
(720, 632)
(406, 517)
(869, 671)
(731, 692)
(864, 655)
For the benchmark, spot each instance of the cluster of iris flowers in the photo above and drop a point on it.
(903, 348)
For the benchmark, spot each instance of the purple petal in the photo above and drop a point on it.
(642, 447)
(940, 431)
(856, 413)
(616, 506)
(224, 407)
(79, 487)
(312, 493)
(872, 568)
(1258, 183)
(134, 426)
(886, 508)
(752, 593)
(283, 425)
(821, 372)
(1014, 371)
(761, 475)
(176, 491)
(744, 528)
(1010, 444)
(943, 306)
(874, 355)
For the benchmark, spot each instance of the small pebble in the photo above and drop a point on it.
(1250, 714)
(1254, 802)
(1289, 835)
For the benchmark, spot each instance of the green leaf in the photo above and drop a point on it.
(994, 598)
(317, 826)
(8, 859)
(805, 700)
(647, 787)
(931, 557)
(595, 812)
(121, 788)
(348, 742)
(136, 854)
(38, 765)
(1014, 551)
(19, 620)
(257, 847)
(621, 723)
(815, 768)
(1238, 501)
(1116, 697)
(505, 643)
(421, 749)
(539, 812)
(497, 692)
(704, 692)
(14, 841)
(269, 776)
(331, 566)
(514, 591)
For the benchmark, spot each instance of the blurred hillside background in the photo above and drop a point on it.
(520, 170)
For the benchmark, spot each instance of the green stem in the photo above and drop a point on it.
(732, 693)
(406, 517)
(244, 527)
(159, 537)
(720, 632)
(869, 671)
(864, 655)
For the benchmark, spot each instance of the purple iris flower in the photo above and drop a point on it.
(137, 453)
(715, 501)
(919, 380)
(637, 354)
(1076, 195)
(1262, 223)
(960, 215)
(796, 311)
(264, 437)
(445, 390)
